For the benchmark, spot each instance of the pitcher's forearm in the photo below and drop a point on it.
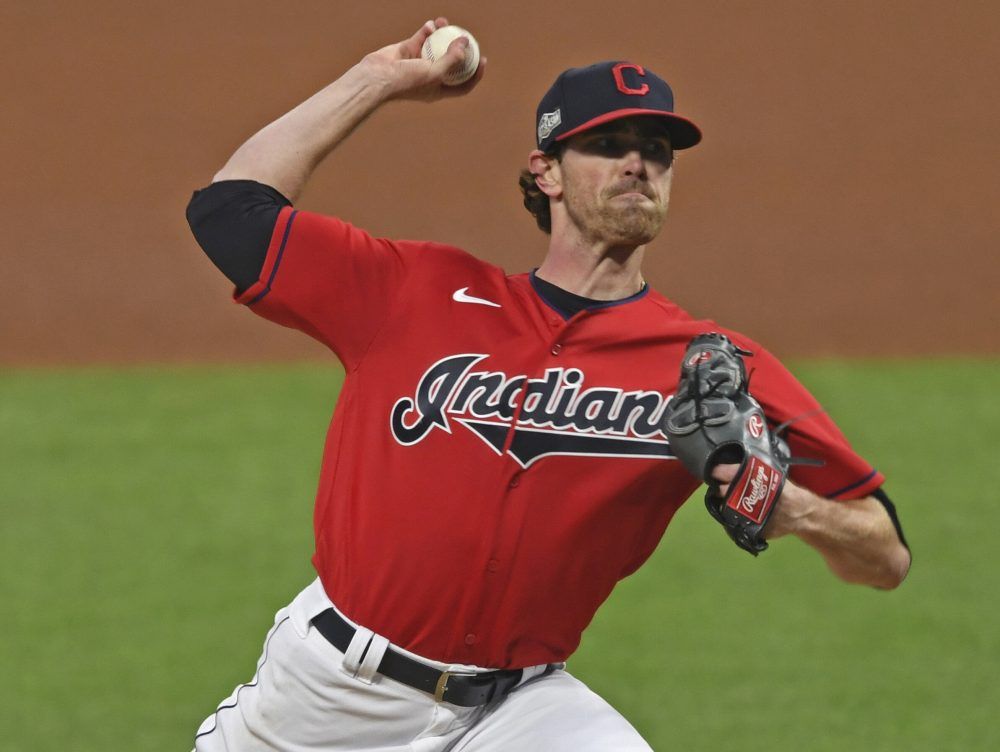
(856, 538)
(284, 153)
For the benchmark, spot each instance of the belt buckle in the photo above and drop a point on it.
(442, 682)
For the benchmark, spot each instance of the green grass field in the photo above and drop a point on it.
(154, 519)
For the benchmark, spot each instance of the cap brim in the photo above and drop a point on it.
(683, 133)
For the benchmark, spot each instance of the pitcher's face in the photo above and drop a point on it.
(616, 180)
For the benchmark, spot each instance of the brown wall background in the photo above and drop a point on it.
(844, 200)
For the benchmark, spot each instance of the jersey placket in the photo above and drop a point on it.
(506, 527)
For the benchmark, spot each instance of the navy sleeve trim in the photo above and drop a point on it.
(858, 484)
(277, 260)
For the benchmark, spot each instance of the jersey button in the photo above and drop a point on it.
(515, 481)
(470, 639)
(556, 349)
(554, 321)
(492, 565)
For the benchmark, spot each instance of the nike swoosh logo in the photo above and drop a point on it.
(462, 296)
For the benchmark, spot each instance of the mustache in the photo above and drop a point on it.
(631, 186)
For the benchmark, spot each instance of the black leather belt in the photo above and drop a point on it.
(465, 689)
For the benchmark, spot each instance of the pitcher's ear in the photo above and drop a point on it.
(547, 171)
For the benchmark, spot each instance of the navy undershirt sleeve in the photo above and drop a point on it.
(232, 220)
(886, 502)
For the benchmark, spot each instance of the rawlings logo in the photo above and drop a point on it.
(758, 492)
(703, 357)
(557, 414)
(755, 425)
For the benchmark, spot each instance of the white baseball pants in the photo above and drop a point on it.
(307, 695)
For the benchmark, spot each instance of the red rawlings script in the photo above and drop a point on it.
(760, 486)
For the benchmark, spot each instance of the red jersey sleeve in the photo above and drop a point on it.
(844, 474)
(328, 279)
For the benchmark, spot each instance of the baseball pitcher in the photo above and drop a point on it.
(507, 447)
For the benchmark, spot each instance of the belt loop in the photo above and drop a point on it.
(369, 665)
(356, 650)
(530, 672)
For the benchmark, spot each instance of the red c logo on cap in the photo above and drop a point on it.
(623, 87)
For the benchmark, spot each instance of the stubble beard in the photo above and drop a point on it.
(617, 222)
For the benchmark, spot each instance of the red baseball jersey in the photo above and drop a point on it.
(491, 469)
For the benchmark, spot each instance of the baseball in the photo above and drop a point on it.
(437, 44)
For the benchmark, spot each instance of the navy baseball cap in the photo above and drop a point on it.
(583, 98)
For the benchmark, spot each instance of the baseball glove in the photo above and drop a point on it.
(711, 420)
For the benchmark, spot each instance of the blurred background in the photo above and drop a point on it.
(843, 199)
(159, 445)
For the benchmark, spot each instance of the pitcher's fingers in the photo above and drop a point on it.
(453, 57)
(724, 473)
(465, 88)
(411, 47)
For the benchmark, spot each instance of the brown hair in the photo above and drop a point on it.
(535, 201)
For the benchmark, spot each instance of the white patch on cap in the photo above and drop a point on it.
(548, 123)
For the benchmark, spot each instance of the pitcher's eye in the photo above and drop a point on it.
(657, 149)
(606, 145)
